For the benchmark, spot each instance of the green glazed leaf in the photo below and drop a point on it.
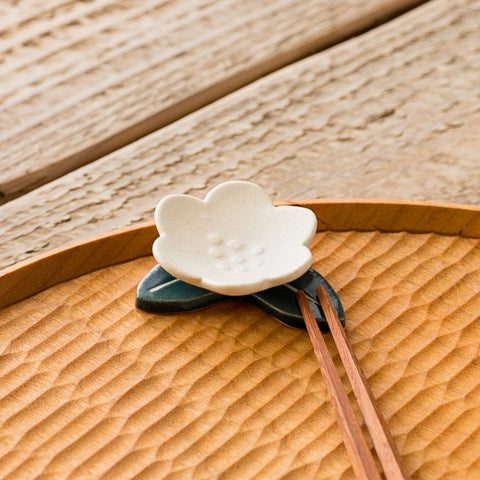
(161, 292)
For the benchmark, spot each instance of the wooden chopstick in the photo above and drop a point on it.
(357, 448)
(387, 453)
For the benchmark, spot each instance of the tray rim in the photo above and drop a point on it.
(128, 243)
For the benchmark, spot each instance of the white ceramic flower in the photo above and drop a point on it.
(234, 242)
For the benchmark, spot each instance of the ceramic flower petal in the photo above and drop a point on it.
(235, 242)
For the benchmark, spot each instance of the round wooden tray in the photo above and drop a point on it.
(91, 387)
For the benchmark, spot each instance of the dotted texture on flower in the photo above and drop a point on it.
(234, 242)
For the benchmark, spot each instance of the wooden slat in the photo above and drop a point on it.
(81, 79)
(388, 114)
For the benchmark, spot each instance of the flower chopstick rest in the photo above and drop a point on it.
(233, 244)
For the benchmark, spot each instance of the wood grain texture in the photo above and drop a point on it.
(92, 387)
(80, 79)
(390, 114)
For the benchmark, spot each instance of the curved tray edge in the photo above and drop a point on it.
(31, 276)
(46, 270)
(395, 216)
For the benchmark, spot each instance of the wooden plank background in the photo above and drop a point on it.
(393, 113)
(81, 79)
(299, 97)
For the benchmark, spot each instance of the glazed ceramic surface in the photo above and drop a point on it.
(162, 293)
(235, 242)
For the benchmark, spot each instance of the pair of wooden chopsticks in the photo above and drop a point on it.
(357, 448)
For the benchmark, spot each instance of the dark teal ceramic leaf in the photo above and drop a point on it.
(161, 292)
